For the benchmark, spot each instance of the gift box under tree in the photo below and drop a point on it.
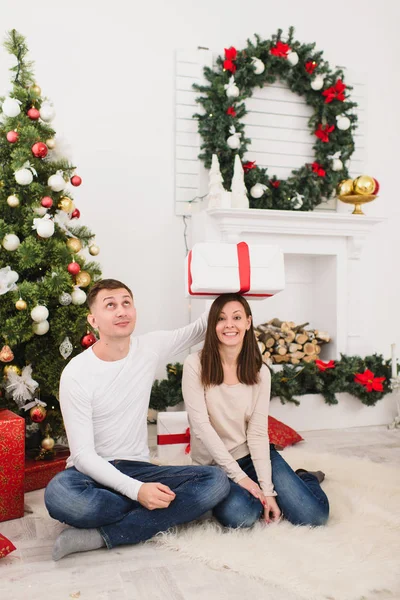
(173, 435)
(38, 473)
(12, 455)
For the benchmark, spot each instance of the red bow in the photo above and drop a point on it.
(230, 56)
(310, 66)
(323, 366)
(369, 381)
(323, 132)
(175, 438)
(275, 184)
(280, 49)
(231, 111)
(249, 165)
(335, 92)
(317, 168)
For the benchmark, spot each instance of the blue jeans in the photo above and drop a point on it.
(300, 497)
(76, 499)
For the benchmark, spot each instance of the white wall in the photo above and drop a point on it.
(109, 68)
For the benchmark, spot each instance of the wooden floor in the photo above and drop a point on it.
(146, 572)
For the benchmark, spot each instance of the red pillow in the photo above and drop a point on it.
(5, 546)
(282, 435)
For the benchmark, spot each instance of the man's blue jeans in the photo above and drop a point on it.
(300, 498)
(78, 500)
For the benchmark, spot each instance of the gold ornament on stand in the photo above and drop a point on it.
(51, 143)
(364, 185)
(94, 250)
(66, 204)
(83, 279)
(357, 192)
(21, 304)
(74, 245)
(345, 187)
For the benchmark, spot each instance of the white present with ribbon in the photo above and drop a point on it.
(173, 436)
(255, 270)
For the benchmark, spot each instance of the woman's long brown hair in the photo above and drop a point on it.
(249, 361)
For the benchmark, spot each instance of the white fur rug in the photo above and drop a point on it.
(356, 554)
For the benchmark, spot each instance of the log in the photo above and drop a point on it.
(290, 336)
(280, 359)
(261, 345)
(298, 355)
(310, 358)
(317, 349)
(322, 335)
(301, 338)
(295, 361)
(299, 328)
(295, 347)
(309, 348)
(282, 350)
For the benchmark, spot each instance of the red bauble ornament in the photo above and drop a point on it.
(88, 340)
(46, 201)
(75, 214)
(377, 186)
(39, 150)
(74, 268)
(76, 180)
(12, 137)
(33, 113)
(37, 414)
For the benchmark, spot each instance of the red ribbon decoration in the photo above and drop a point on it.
(175, 438)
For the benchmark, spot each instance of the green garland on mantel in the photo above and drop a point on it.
(327, 379)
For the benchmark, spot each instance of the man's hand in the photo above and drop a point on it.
(248, 484)
(272, 511)
(155, 495)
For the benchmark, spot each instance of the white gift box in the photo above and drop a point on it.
(173, 436)
(255, 270)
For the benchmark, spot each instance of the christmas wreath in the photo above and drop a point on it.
(307, 74)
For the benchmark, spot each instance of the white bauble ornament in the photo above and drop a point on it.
(257, 190)
(233, 141)
(47, 112)
(11, 242)
(39, 313)
(337, 164)
(13, 201)
(41, 328)
(293, 58)
(56, 182)
(65, 299)
(40, 211)
(317, 83)
(343, 122)
(258, 65)
(23, 176)
(66, 348)
(45, 227)
(12, 277)
(11, 107)
(231, 89)
(78, 296)
(297, 201)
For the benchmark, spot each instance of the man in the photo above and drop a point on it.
(110, 493)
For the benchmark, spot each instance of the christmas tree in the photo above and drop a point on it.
(43, 266)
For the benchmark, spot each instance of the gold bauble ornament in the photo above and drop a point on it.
(47, 443)
(345, 187)
(1, 183)
(21, 304)
(83, 279)
(9, 368)
(51, 143)
(364, 185)
(74, 245)
(66, 204)
(36, 90)
(94, 250)
(13, 201)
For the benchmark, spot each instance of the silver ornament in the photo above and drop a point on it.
(65, 299)
(66, 348)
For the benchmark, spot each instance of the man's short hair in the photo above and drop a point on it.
(105, 284)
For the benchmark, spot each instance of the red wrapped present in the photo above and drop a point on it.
(12, 454)
(282, 435)
(5, 546)
(39, 472)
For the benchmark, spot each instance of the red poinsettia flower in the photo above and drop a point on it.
(369, 381)
(310, 66)
(335, 92)
(230, 53)
(275, 184)
(323, 366)
(231, 111)
(229, 66)
(249, 165)
(317, 168)
(280, 49)
(323, 132)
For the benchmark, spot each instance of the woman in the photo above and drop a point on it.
(226, 389)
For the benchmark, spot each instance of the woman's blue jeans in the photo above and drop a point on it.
(300, 497)
(76, 499)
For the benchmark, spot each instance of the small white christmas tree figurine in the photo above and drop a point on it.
(216, 192)
(239, 191)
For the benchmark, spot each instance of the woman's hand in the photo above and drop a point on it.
(251, 486)
(272, 511)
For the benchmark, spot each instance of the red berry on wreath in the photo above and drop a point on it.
(39, 150)
(33, 113)
(75, 214)
(76, 180)
(74, 268)
(12, 137)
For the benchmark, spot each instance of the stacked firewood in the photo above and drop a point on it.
(286, 342)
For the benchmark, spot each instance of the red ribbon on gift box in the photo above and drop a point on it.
(175, 438)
